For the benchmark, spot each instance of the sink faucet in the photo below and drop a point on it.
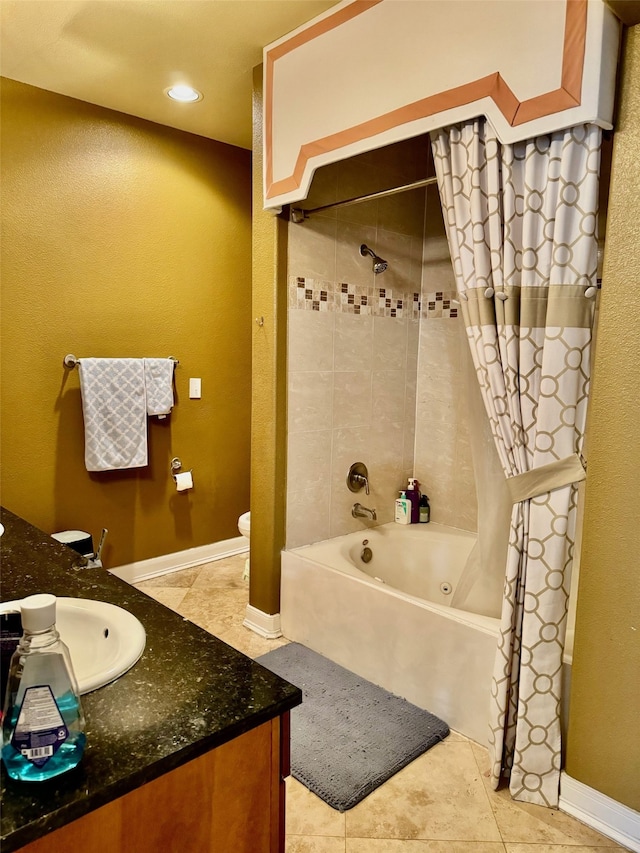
(360, 511)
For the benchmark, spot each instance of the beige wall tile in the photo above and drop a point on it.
(349, 445)
(310, 402)
(443, 459)
(312, 248)
(355, 180)
(308, 518)
(397, 249)
(310, 340)
(324, 188)
(365, 213)
(386, 445)
(387, 397)
(352, 398)
(353, 342)
(390, 336)
(403, 213)
(413, 345)
(309, 460)
(351, 266)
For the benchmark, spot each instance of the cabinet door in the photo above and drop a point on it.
(230, 800)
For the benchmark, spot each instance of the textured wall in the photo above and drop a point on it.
(268, 402)
(603, 748)
(122, 238)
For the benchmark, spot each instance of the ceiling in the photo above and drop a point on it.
(123, 54)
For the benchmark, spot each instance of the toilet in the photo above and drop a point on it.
(244, 527)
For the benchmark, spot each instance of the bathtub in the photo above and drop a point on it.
(390, 620)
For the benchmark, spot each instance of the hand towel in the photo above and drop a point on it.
(158, 377)
(115, 413)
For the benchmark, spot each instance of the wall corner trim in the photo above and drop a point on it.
(267, 625)
(600, 812)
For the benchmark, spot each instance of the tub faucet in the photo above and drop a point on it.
(360, 511)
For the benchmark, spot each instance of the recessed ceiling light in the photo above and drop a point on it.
(185, 94)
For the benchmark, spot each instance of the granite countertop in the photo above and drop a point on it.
(188, 693)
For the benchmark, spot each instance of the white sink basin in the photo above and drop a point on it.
(104, 640)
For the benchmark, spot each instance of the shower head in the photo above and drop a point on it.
(379, 265)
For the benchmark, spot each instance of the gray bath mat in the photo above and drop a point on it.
(348, 736)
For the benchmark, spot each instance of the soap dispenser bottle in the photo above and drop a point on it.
(413, 493)
(403, 509)
(42, 723)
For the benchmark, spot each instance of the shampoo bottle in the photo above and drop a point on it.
(413, 493)
(42, 724)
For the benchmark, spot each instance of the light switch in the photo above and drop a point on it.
(195, 389)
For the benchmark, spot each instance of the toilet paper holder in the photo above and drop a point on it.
(176, 466)
(182, 479)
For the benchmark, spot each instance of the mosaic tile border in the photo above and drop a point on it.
(309, 294)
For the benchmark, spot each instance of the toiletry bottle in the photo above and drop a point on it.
(403, 509)
(425, 509)
(413, 493)
(42, 724)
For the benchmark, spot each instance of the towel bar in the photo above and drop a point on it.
(71, 361)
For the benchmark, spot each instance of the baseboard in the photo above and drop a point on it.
(265, 624)
(600, 812)
(145, 569)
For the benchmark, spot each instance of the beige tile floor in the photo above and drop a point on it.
(440, 803)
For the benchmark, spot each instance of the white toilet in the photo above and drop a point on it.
(244, 527)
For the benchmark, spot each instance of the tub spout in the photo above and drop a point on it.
(360, 511)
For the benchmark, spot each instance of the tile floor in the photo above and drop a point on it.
(440, 803)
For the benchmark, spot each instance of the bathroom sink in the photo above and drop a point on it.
(104, 640)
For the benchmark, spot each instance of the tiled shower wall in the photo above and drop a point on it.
(355, 341)
(443, 462)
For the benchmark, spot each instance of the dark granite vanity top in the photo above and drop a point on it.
(188, 693)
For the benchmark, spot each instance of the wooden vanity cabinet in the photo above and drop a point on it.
(230, 800)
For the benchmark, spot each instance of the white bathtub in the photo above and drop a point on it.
(390, 621)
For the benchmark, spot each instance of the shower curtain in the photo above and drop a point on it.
(521, 223)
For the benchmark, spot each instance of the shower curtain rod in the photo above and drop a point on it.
(299, 214)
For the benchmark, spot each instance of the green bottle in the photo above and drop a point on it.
(425, 509)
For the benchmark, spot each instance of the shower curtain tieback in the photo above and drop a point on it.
(546, 478)
(521, 224)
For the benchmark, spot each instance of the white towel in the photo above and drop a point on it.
(115, 413)
(158, 377)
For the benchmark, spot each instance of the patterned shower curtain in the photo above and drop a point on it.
(521, 223)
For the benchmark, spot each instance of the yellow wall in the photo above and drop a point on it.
(603, 748)
(123, 238)
(268, 408)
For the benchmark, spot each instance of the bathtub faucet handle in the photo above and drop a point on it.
(358, 477)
